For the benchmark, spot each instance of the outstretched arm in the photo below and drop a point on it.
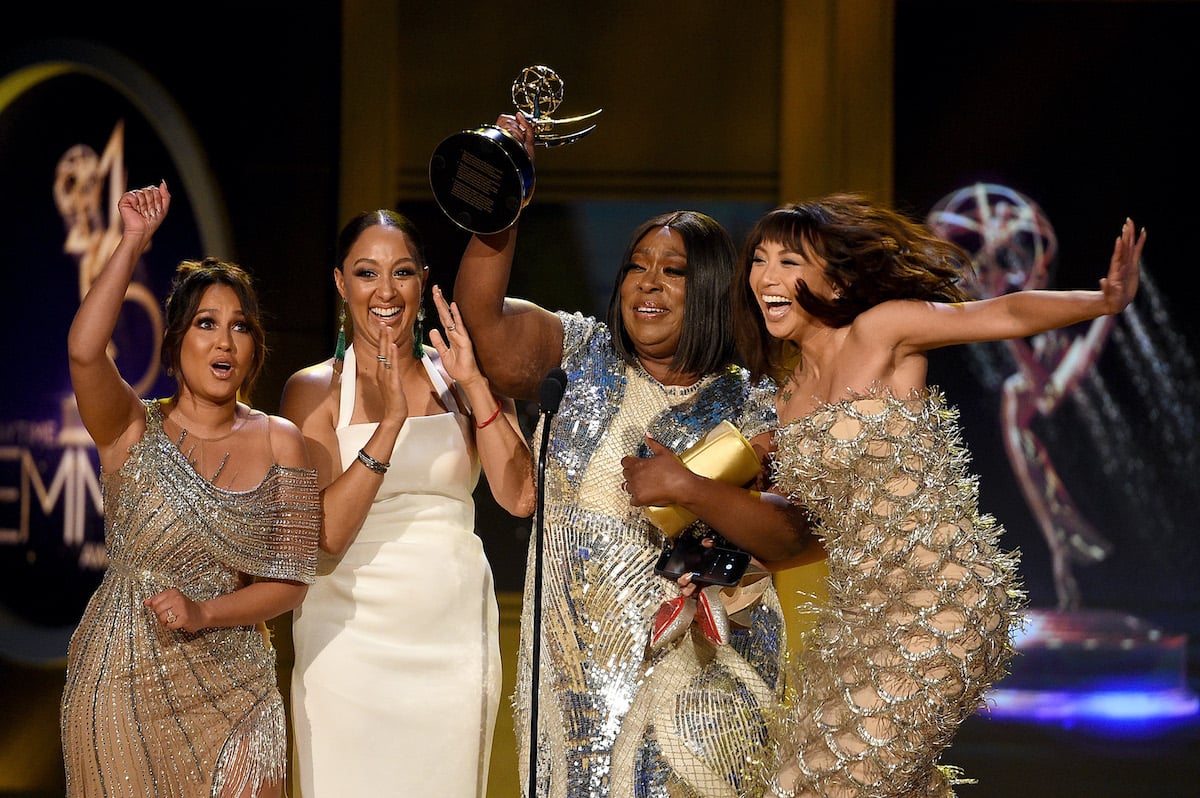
(1022, 313)
(108, 406)
(516, 342)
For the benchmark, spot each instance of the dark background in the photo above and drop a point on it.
(1084, 106)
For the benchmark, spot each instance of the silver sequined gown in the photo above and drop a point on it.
(922, 603)
(615, 720)
(149, 711)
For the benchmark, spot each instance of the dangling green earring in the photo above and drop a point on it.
(418, 334)
(339, 351)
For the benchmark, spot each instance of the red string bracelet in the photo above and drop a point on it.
(492, 417)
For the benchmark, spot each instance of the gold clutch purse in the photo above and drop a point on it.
(723, 454)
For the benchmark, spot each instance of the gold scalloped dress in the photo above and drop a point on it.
(922, 602)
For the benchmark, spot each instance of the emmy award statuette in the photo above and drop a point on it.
(482, 178)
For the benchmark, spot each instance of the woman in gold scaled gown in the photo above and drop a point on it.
(845, 296)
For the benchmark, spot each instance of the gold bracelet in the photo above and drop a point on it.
(371, 463)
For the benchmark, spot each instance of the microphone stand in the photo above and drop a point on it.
(551, 395)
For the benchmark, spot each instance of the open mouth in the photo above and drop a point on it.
(775, 306)
(387, 314)
(650, 310)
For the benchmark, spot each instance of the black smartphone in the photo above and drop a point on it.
(721, 564)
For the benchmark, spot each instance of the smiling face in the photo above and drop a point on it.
(775, 271)
(381, 279)
(653, 293)
(217, 352)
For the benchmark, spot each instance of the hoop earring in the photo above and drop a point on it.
(339, 350)
(418, 334)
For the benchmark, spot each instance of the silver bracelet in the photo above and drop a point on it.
(371, 463)
(782, 792)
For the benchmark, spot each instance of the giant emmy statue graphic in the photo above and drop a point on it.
(482, 178)
(1075, 661)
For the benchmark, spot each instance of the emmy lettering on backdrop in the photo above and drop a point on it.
(482, 178)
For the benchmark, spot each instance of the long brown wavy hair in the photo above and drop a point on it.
(871, 254)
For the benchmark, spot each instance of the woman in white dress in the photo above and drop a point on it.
(397, 675)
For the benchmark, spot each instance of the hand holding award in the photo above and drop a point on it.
(483, 178)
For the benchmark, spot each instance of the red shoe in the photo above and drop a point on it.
(712, 616)
(672, 619)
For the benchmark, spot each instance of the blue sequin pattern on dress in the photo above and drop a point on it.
(616, 720)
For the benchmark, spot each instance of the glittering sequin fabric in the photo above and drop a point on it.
(922, 602)
(614, 719)
(151, 711)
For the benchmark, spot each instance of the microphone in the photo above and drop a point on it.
(552, 391)
(550, 394)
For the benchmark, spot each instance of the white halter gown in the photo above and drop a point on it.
(397, 676)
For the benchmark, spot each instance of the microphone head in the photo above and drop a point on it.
(552, 389)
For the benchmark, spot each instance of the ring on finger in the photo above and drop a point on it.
(452, 328)
(171, 618)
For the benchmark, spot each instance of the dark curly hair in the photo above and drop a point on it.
(871, 254)
(191, 280)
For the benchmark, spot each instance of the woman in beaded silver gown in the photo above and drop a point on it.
(615, 715)
(845, 297)
(211, 526)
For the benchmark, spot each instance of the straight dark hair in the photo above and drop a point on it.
(707, 342)
(386, 218)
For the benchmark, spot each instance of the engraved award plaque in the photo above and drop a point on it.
(482, 178)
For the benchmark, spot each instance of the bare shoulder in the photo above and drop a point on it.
(317, 374)
(307, 389)
(287, 442)
(894, 321)
(892, 311)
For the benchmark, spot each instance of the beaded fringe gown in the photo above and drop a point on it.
(154, 711)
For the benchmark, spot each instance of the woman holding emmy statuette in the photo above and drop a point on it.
(211, 519)
(632, 697)
(397, 678)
